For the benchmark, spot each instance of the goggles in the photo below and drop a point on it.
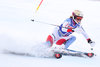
(78, 18)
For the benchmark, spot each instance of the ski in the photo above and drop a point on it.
(69, 52)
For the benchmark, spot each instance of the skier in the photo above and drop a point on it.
(62, 34)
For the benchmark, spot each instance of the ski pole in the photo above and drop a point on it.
(92, 45)
(44, 23)
(91, 48)
(49, 24)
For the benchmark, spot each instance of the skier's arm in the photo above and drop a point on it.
(82, 31)
(67, 27)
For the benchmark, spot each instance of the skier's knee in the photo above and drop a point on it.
(60, 42)
(70, 41)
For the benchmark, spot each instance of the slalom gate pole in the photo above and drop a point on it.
(39, 5)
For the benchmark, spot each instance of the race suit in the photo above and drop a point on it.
(62, 34)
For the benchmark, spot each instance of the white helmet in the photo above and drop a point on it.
(75, 14)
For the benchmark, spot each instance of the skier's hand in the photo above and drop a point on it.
(92, 43)
(70, 30)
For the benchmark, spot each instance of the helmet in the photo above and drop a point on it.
(76, 14)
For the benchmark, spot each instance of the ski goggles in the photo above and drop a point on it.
(78, 18)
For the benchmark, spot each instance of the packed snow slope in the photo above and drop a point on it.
(19, 34)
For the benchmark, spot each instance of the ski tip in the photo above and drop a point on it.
(90, 55)
(58, 56)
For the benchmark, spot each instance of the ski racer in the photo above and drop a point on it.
(62, 34)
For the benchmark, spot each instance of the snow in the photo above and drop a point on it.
(19, 34)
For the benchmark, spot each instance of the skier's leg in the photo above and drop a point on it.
(70, 41)
(49, 40)
(60, 41)
(53, 37)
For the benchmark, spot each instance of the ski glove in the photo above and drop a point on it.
(92, 43)
(70, 30)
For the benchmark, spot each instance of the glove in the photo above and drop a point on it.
(92, 43)
(70, 30)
